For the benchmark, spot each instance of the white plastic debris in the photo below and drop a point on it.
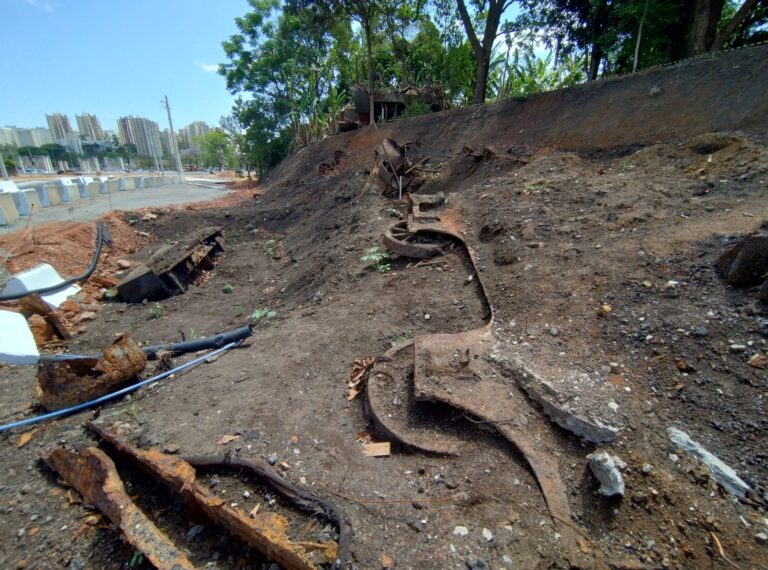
(605, 468)
(17, 345)
(723, 475)
(461, 531)
(37, 277)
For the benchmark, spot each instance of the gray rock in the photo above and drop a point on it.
(605, 468)
(738, 348)
(194, 532)
(272, 459)
(700, 331)
(723, 475)
(761, 538)
(476, 564)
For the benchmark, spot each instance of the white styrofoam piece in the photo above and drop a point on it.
(8, 186)
(37, 277)
(17, 345)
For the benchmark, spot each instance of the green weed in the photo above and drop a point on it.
(228, 288)
(155, 311)
(263, 313)
(378, 259)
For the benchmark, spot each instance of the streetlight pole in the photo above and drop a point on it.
(173, 139)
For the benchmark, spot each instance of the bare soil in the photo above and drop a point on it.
(559, 232)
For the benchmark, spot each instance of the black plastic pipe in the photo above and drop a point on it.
(101, 239)
(205, 343)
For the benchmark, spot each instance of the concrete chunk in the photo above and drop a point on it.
(8, 211)
(723, 475)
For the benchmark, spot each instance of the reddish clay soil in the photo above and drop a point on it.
(633, 220)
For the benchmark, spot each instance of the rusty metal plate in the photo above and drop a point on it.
(92, 474)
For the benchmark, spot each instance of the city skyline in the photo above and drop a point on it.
(116, 59)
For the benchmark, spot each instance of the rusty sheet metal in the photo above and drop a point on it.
(266, 531)
(68, 382)
(92, 474)
(388, 426)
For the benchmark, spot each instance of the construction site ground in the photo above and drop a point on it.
(595, 216)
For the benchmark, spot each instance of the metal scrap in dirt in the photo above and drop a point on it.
(170, 270)
(92, 473)
(63, 383)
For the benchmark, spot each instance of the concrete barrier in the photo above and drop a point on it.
(127, 184)
(139, 182)
(49, 194)
(93, 189)
(158, 181)
(69, 193)
(17, 345)
(103, 186)
(113, 186)
(8, 211)
(27, 201)
(147, 182)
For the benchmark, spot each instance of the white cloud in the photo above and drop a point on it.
(42, 4)
(208, 67)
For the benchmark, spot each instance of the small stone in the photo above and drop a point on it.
(123, 264)
(604, 468)
(427, 316)
(460, 531)
(700, 331)
(737, 348)
(21, 564)
(647, 468)
(246, 495)
(761, 538)
(673, 457)
(171, 448)
(194, 532)
(758, 360)
(671, 284)
(87, 316)
(272, 459)
(506, 560)
(487, 535)
(647, 284)
(476, 564)
(655, 91)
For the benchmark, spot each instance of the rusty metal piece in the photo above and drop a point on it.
(64, 383)
(398, 239)
(168, 271)
(450, 369)
(381, 383)
(92, 474)
(424, 206)
(266, 531)
(298, 497)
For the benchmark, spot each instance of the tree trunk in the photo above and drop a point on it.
(733, 25)
(636, 63)
(481, 80)
(701, 34)
(369, 47)
(594, 62)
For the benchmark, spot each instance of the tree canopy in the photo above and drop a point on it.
(296, 64)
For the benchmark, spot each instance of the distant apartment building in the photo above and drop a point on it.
(90, 127)
(143, 133)
(196, 129)
(59, 126)
(17, 137)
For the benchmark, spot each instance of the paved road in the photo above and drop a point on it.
(88, 209)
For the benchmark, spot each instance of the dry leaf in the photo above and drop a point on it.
(73, 498)
(225, 439)
(758, 360)
(364, 437)
(26, 437)
(377, 449)
(255, 511)
(387, 561)
(583, 545)
(360, 370)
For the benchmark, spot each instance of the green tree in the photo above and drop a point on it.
(215, 148)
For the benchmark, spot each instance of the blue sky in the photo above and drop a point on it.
(114, 58)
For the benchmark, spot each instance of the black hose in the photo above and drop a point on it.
(101, 239)
(196, 345)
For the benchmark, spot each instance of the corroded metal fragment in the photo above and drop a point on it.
(266, 531)
(68, 382)
(92, 474)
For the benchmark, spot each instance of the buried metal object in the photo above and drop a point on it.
(64, 383)
(169, 271)
(92, 474)
(266, 531)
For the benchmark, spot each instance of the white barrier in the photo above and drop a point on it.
(17, 345)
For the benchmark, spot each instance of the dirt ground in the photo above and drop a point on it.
(558, 234)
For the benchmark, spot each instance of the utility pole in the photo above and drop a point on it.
(173, 139)
(2, 168)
